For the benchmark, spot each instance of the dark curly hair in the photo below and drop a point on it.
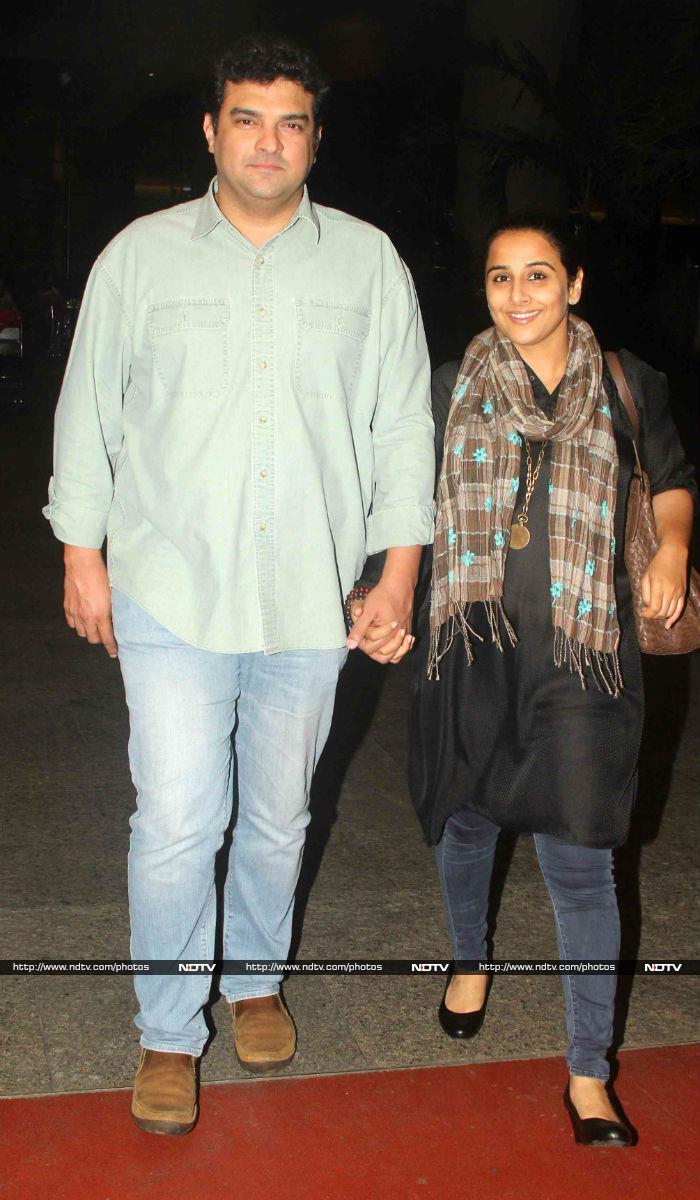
(558, 229)
(262, 59)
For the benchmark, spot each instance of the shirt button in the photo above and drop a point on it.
(263, 473)
(260, 262)
(261, 312)
(262, 526)
(262, 364)
(262, 419)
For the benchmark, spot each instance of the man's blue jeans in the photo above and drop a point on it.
(581, 887)
(184, 705)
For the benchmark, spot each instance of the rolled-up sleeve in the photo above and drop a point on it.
(402, 429)
(88, 428)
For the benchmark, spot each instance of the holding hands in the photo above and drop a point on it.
(382, 621)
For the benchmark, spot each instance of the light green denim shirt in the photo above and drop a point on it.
(245, 425)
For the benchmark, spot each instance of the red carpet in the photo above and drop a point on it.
(495, 1131)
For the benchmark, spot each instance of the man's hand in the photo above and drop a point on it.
(87, 599)
(382, 624)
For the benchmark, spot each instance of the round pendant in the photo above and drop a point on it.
(519, 536)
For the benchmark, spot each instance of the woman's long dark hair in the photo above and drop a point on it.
(559, 230)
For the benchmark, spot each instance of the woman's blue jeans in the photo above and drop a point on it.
(580, 883)
(190, 711)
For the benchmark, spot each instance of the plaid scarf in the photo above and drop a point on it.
(492, 408)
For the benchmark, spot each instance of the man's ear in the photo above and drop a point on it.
(318, 134)
(209, 131)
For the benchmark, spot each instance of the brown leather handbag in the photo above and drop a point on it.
(641, 544)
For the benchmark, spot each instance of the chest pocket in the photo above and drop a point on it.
(189, 345)
(329, 342)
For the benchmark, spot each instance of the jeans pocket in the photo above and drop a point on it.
(189, 346)
(329, 342)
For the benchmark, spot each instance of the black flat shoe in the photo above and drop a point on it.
(596, 1131)
(462, 1025)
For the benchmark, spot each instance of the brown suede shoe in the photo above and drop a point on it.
(264, 1036)
(165, 1092)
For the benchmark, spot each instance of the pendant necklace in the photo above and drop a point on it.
(519, 532)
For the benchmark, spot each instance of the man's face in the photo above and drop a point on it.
(265, 142)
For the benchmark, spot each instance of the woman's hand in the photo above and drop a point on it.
(664, 584)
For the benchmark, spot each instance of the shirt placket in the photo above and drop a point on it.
(263, 418)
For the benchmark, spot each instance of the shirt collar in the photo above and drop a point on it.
(209, 214)
(307, 212)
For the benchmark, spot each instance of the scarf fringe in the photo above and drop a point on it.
(603, 667)
(442, 638)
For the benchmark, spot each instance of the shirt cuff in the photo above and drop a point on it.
(73, 524)
(412, 525)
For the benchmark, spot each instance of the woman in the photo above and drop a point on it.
(527, 694)
(512, 739)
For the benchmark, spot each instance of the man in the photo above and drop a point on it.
(245, 415)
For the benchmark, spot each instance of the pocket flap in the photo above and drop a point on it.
(332, 317)
(172, 315)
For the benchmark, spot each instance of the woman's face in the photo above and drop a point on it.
(527, 288)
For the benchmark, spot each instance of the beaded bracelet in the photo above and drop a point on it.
(357, 593)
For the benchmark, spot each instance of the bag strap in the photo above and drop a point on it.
(618, 374)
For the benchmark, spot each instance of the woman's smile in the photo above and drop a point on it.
(522, 318)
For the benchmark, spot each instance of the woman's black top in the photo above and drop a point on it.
(513, 737)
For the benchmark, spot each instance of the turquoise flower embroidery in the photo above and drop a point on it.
(584, 606)
(480, 455)
(590, 566)
(574, 517)
(611, 610)
(450, 576)
(513, 485)
(459, 391)
(550, 487)
(556, 591)
(451, 536)
(499, 537)
(468, 558)
(605, 409)
(613, 544)
(487, 407)
(604, 509)
(458, 449)
(488, 503)
(515, 438)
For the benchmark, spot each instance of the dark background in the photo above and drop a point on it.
(444, 115)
